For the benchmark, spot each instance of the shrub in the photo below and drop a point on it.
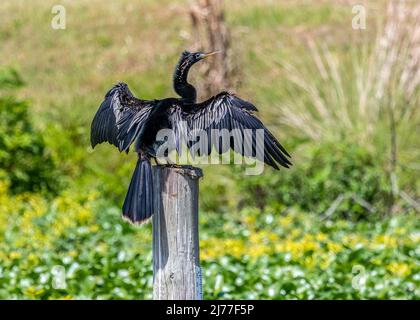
(331, 170)
(23, 156)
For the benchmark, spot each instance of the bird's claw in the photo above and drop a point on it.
(177, 166)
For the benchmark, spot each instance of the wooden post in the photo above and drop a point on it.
(176, 263)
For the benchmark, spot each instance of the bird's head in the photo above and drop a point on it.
(189, 58)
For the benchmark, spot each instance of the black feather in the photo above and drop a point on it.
(227, 111)
(138, 203)
(120, 118)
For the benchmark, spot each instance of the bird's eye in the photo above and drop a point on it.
(197, 55)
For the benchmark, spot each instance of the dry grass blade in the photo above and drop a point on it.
(332, 98)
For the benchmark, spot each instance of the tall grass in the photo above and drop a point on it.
(370, 97)
(338, 98)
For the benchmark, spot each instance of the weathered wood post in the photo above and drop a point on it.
(176, 263)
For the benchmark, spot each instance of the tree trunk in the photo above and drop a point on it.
(209, 33)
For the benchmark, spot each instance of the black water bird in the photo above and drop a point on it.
(123, 119)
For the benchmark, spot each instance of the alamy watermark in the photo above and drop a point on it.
(358, 281)
(359, 19)
(58, 277)
(213, 147)
(59, 19)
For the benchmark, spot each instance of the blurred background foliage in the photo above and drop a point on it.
(24, 158)
(341, 223)
(329, 170)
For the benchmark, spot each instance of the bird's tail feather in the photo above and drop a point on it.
(138, 203)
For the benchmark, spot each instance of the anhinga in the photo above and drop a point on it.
(123, 119)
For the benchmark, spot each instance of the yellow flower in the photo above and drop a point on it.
(33, 292)
(258, 250)
(83, 215)
(321, 236)
(256, 237)
(399, 268)
(92, 196)
(32, 257)
(73, 253)
(401, 231)
(334, 247)
(295, 233)
(15, 255)
(286, 221)
(309, 262)
(273, 237)
(3, 256)
(250, 220)
(234, 247)
(385, 240)
(4, 187)
(325, 262)
(353, 240)
(102, 248)
(94, 228)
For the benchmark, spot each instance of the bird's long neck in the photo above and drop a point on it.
(180, 83)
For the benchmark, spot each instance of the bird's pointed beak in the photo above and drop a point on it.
(206, 55)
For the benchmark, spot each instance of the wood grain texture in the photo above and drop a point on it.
(176, 263)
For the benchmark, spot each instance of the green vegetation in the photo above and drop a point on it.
(275, 15)
(24, 161)
(249, 254)
(271, 236)
(329, 171)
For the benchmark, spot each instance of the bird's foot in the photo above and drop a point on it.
(157, 161)
(177, 166)
(172, 165)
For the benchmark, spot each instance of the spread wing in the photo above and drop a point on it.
(247, 134)
(120, 119)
